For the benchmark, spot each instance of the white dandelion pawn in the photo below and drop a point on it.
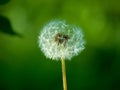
(58, 40)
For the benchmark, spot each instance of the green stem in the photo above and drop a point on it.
(64, 75)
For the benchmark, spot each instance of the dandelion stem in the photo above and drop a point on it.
(64, 75)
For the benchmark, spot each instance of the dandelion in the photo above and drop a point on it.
(61, 41)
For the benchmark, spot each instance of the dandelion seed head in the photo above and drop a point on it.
(59, 40)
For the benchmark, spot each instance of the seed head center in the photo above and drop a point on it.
(61, 39)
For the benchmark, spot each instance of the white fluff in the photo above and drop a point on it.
(50, 47)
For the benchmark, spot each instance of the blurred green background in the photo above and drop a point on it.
(24, 67)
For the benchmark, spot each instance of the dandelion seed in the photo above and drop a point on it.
(60, 41)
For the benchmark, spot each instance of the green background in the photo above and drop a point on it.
(24, 67)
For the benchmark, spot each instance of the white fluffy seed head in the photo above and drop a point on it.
(59, 40)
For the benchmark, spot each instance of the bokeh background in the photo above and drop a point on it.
(24, 67)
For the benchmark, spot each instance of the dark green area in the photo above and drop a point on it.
(2, 2)
(24, 67)
(6, 27)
